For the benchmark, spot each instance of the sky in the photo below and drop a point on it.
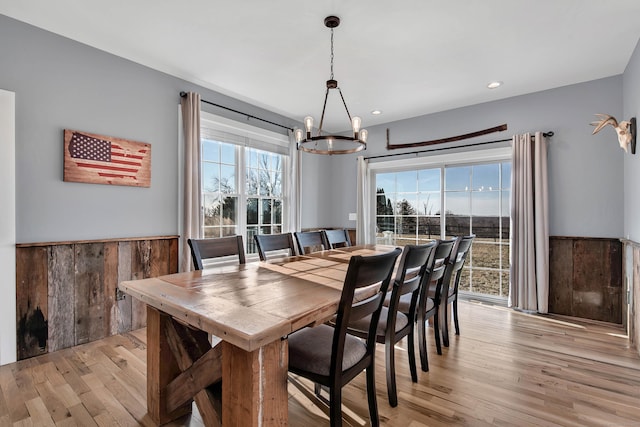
(482, 190)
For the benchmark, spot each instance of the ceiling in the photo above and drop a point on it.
(406, 58)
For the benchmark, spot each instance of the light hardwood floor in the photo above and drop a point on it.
(506, 368)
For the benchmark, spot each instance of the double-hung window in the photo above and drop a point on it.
(243, 170)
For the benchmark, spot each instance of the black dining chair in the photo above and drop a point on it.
(337, 238)
(430, 299)
(394, 325)
(310, 241)
(450, 294)
(429, 308)
(202, 249)
(274, 242)
(328, 355)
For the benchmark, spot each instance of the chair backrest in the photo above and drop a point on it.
(461, 252)
(274, 242)
(310, 241)
(337, 238)
(363, 271)
(436, 277)
(202, 249)
(444, 251)
(415, 263)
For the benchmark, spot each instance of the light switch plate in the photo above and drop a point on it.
(353, 217)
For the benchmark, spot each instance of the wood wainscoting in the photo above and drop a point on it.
(632, 294)
(585, 278)
(66, 292)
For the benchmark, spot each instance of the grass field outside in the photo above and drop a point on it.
(486, 270)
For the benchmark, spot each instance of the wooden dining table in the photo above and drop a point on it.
(249, 310)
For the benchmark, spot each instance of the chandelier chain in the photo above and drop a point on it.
(332, 54)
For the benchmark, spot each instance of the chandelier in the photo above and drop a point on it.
(331, 144)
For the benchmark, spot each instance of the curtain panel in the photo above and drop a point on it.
(529, 286)
(191, 220)
(364, 233)
(292, 187)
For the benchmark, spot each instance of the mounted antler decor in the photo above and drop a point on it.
(626, 130)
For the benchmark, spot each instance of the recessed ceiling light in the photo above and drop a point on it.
(376, 112)
(494, 85)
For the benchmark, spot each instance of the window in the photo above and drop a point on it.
(443, 197)
(264, 193)
(242, 180)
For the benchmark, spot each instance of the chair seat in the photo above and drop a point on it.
(310, 350)
(363, 324)
(405, 303)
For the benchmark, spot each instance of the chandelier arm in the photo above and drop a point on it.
(324, 107)
(343, 103)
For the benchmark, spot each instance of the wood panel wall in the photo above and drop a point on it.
(66, 292)
(585, 278)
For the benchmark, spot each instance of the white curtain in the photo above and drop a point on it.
(191, 223)
(292, 186)
(364, 231)
(529, 287)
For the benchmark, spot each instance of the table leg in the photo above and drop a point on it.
(254, 385)
(161, 369)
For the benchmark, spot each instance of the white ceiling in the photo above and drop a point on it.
(406, 57)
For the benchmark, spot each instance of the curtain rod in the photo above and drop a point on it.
(545, 134)
(183, 94)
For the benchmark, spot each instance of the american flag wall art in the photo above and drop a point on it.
(99, 159)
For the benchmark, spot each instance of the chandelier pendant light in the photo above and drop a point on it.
(331, 144)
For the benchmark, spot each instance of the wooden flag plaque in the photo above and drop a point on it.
(98, 159)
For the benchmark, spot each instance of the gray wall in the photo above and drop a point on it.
(585, 172)
(631, 96)
(61, 84)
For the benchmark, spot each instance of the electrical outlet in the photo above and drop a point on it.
(353, 217)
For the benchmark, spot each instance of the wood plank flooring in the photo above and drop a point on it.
(506, 368)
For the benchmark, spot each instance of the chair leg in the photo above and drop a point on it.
(412, 355)
(422, 343)
(436, 332)
(371, 395)
(445, 324)
(391, 373)
(335, 406)
(455, 316)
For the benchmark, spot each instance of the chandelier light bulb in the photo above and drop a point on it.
(298, 135)
(308, 123)
(364, 134)
(356, 122)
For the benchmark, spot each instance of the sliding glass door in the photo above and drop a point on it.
(442, 201)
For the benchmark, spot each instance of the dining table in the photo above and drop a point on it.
(230, 323)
